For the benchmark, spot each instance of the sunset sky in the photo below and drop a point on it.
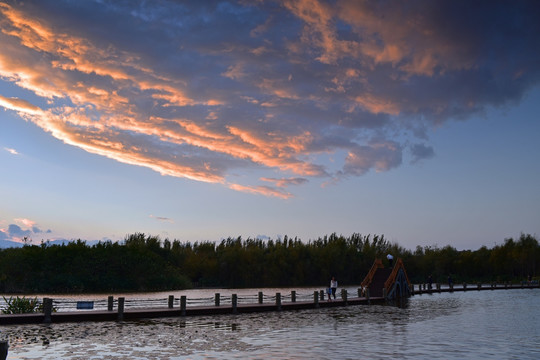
(200, 120)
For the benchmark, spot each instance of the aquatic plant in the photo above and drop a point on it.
(21, 305)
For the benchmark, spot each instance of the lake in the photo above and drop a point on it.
(499, 324)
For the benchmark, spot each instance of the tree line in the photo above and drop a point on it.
(146, 263)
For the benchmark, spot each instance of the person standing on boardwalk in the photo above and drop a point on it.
(333, 286)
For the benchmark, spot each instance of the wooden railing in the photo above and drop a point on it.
(392, 278)
(377, 264)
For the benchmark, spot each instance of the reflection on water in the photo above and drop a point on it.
(500, 324)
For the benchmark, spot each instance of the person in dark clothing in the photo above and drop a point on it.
(390, 259)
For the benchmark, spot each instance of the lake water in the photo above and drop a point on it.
(499, 324)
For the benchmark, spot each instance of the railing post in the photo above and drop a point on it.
(293, 296)
(479, 285)
(234, 301)
(464, 287)
(217, 297)
(110, 303)
(4, 346)
(171, 301)
(316, 298)
(261, 297)
(47, 310)
(367, 296)
(183, 304)
(121, 301)
(359, 292)
(344, 295)
(278, 301)
(321, 294)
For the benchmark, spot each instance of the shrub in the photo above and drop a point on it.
(22, 305)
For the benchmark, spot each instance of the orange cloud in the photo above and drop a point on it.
(19, 105)
(25, 222)
(282, 183)
(311, 80)
(261, 190)
(378, 105)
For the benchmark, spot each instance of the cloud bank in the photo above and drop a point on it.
(21, 229)
(292, 91)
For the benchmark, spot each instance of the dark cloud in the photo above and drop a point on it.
(162, 218)
(16, 231)
(421, 152)
(202, 89)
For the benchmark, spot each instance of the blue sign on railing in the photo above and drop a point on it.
(88, 305)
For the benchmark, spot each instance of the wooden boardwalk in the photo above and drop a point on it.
(134, 314)
(182, 311)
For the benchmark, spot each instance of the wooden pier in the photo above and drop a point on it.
(380, 286)
(120, 314)
(319, 301)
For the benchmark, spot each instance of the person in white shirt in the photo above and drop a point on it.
(333, 286)
(390, 259)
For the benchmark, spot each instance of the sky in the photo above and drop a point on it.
(202, 120)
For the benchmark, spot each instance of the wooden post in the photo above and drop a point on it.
(260, 297)
(359, 292)
(316, 298)
(110, 303)
(464, 287)
(4, 345)
(278, 301)
(321, 294)
(121, 301)
(344, 295)
(47, 310)
(479, 286)
(183, 303)
(171, 301)
(217, 298)
(293, 296)
(234, 301)
(367, 296)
